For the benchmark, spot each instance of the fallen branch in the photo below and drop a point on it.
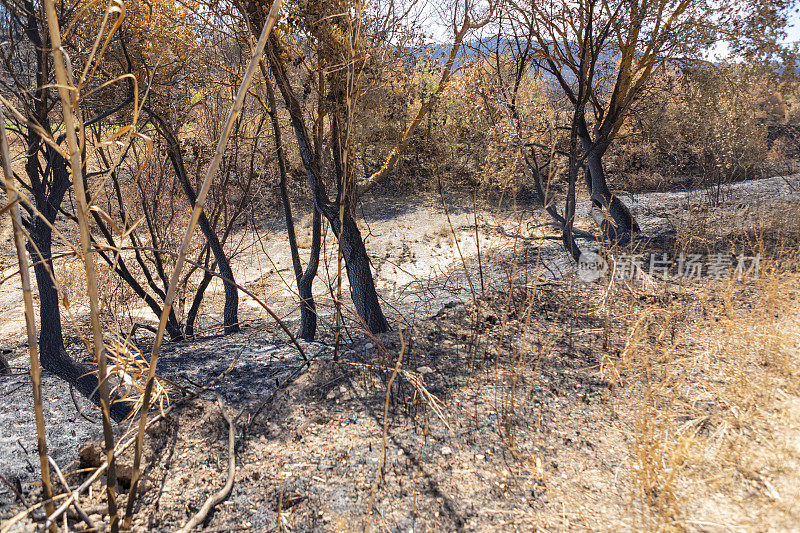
(218, 497)
(121, 447)
(75, 504)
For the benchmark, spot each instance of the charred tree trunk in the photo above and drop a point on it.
(48, 179)
(230, 313)
(308, 309)
(194, 310)
(359, 273)
(362, 285)
(117, 262)
(618, 224)
(52, 354)
(305, 281)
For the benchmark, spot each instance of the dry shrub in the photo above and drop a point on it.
(767, 229)
(705, 125)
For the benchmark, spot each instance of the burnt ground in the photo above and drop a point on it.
(554, 406)
(493, 423)
(472, 455)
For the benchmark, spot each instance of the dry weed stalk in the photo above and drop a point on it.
(66, 86)
(196, 211)
(30, 324)
(379, 474)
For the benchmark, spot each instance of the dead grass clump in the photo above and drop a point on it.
(770, 230)
(709, 374)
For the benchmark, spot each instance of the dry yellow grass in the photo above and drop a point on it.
(710, 374)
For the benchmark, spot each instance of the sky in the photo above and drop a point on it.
(442, 34)
(794, 29)
(720, 51)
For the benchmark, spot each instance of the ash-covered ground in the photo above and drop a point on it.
(502, 417)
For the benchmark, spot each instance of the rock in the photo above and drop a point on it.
(92, 456)
(424, 370)
(446, 450)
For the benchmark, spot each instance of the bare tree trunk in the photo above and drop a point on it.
(305, 281)
(52, 354)
(619, 223)
(191, 316)
(362, 285)
(308, 310)
(231, 310)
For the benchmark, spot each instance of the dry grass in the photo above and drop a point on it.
(708, 373)
(703, 384)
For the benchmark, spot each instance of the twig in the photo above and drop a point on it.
(218, 497)
(121, 447)
(24, 449)
(13, 488)
(63, 480)
(380, 472)
(77, 407)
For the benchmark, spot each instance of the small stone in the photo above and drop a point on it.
(480, 457)
(424, 370)
(343, 389)
(446, 450)
(369, 345)
(91, 456)
(331, 395)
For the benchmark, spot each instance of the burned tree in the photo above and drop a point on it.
(628, 43)
(340, 44)
(29, 93)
